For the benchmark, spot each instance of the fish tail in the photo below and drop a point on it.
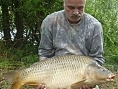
(14, 79)
(10, 76)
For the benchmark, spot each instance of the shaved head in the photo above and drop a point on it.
(76, 0)
(74, 10)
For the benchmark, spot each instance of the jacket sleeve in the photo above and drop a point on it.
(46, 49)
(96, 49)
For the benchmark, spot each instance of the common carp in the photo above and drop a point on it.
(64, 72)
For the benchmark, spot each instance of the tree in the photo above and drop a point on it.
(18, 19)
(5, 20)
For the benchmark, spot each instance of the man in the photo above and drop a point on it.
(71, 32)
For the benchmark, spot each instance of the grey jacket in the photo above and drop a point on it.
(59, 37)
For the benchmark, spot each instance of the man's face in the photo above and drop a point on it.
(74, 10)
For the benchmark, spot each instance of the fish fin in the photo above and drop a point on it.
(78, 84)
(32, 84)
(10, 76)
(13, 78)
(16, 84)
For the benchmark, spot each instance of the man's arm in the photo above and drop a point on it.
(96, 50)
(46, 49)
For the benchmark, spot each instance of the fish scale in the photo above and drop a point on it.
(68, 71)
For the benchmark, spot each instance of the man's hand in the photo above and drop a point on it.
(86, 87)
(41, 86)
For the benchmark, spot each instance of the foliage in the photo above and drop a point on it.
(107, 14)
(10, 56)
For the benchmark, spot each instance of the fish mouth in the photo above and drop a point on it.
(111, 78)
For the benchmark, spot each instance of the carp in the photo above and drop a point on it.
(64, 72)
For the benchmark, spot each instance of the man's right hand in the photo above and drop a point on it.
(41, 86)
(86, 87)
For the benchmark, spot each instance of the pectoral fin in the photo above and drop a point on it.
(77, 85)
